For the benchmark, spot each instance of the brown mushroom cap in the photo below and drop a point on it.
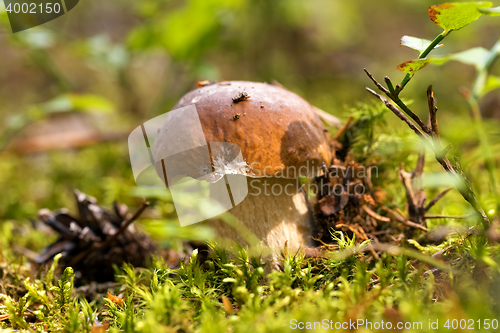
(278, 132)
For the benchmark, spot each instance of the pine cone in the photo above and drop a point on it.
(97, 240)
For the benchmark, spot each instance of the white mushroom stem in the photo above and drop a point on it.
(276, 212)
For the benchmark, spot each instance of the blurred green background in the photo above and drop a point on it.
(73, 89)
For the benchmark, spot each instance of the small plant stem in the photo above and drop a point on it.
(398, 113)
(456, 171)
(390, 86)
(393, 95)
(485, 146)
(422, 55)
(482, 74)
(413, 116)
(473, 101)
(344, 128)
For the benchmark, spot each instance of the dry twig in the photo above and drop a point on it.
(344, 128)
(431, 136)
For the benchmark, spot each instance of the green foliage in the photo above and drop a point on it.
(16, 311)
(418, 44)
(492, 83)
(63, 290)
(375, 139)
(363, 137)
(74, 102)
(477, 57)
(191, 298)
(456, 15)
(490, 11)
(449, 16)
(53, 307)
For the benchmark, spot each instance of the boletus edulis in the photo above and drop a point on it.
(280, 138)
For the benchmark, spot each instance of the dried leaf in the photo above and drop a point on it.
(100, 328)
(115, 299)
(227, 304)
(205, 83)
(411, 66)
(476, 57)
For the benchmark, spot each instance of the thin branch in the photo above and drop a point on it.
(375, 215)
(398, 113)
(394, 96)
(447, 216)
(99, 245)
(125, 224)
(413, 116)
(456, 171)
(379, 86)
(344, 128)
(419, 168)
(422, 55)
(415, 225)
(437, 198)
(31, 255)
(415, 194)
(400, 218)
(389, 84)
(432, 112)
(396, 215)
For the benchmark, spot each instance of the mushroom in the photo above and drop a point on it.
(278, 137)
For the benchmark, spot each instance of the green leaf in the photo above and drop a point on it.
(477, 57)
(490, 11)
(415, 43)
(411, 66)
(492, 83)
(74, 102)
(456, 15)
